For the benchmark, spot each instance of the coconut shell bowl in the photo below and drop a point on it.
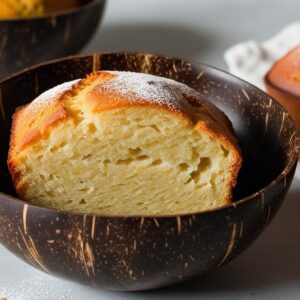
(30, 40)
(138, 253)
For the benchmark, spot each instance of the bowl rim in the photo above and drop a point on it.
(282, 175)
(55, 14)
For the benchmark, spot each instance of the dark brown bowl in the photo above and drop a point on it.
(27, 41)
(137, 253)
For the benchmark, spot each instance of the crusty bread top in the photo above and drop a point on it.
(106, 90)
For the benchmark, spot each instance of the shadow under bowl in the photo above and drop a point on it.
(31, 40)
(138, 253)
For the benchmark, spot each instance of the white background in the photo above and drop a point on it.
(201, 30)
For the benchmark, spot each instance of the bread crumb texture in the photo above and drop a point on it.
(120, 143)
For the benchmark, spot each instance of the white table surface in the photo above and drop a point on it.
(202, 30)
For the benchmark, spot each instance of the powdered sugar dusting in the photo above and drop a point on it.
(51, 95)
(149, 88)
(137, 87)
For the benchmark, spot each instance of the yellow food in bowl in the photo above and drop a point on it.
(27, 8)
(122, 143)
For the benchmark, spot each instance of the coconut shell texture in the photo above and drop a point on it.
(138, 253)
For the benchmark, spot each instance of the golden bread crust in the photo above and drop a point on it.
(32, 122)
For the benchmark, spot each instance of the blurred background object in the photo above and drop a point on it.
(27, 8)
(25, 41)
(252, 61)
(54, 5)
(19, 9)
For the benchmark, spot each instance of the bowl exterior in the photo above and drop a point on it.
(138, 253)
(129, 254)
(25, 42)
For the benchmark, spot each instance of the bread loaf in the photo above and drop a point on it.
(283, 83)
(123, 143)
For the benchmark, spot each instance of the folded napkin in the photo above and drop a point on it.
(252, 60)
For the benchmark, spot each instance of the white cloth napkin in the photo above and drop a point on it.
(251, 60)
